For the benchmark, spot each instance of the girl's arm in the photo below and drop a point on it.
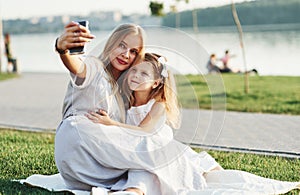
(74, 35)
(148, 124)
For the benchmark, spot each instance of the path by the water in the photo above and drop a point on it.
(34, 102)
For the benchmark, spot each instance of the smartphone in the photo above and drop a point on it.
(79, 50)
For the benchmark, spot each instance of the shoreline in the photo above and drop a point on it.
(66, 73)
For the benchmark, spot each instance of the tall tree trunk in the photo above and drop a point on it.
(239, 27)
(177, 19)
(195, 21)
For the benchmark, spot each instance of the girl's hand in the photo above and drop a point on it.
(100, 117)
(74, 35)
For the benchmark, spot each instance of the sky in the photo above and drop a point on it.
(21, 9)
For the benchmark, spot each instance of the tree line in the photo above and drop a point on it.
(250, 13)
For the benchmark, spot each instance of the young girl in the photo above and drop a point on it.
(153, 108)
(151, 92)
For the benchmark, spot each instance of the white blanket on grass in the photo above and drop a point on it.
(52, 183)
(225, 182)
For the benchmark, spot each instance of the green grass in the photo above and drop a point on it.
(267, 94)
(5, 76)
(23, 154)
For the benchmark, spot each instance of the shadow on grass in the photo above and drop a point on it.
(8, 187)
(293, 102)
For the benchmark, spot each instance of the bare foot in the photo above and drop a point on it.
(136, 190)
(217, 168)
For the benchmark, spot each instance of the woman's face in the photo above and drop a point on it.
(141, 77)
(124, 54)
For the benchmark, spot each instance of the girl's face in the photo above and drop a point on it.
(141, 77)
(124, 54)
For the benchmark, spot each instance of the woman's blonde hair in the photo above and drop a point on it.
(165, 92)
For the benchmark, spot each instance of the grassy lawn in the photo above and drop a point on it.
(267, 94)
(4, 76)
(23, 154)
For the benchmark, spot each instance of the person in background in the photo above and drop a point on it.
(212, 64)
(214, 68)
(225, 60)
(12, 65)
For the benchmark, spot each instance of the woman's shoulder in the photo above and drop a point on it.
(92, 61)
(94, 66)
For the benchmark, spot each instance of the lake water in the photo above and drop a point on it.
(271, 52)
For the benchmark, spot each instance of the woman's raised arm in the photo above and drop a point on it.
(74, 35)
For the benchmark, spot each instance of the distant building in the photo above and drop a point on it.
(99, 20)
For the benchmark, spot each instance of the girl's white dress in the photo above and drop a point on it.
(217, 182)
(89, 154)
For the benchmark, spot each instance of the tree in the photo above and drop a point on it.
(240, 30)
(156, 8)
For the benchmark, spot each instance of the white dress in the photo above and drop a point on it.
(89, 154)
(79, 166)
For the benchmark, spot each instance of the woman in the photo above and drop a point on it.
(93, 86)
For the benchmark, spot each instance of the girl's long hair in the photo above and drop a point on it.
(165, 92)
